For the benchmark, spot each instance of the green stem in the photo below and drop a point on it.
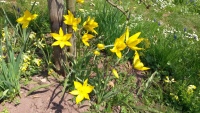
(109, 46)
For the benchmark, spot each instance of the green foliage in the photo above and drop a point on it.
(117, 95)
(181, 97)
(171, 55)
(179, 2)
(109, 19)
(42, 24)
(125, 96)
(16, 63)
(189, 5)
(9, 70)
(5, 110)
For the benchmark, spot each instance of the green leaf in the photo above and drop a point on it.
(38, 87)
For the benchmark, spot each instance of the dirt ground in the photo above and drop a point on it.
(44, 100)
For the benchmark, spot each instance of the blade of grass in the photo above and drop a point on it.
(147, 83)
(38, 87)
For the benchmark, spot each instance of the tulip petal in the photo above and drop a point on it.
(56, 43)
(145, 68)
(122, 38)
(74, 92)
(62, 45)
(67, 43)
(67, 36)
(119, 54)
(115, 73)
(86, 43)
(85, 83)
(79, 98)
(20, 20)
(113, 49)
(77, 85)
(55, 36)
(137, 64)
(136, 57)
(34, 16)
(25, 25)
(61, 32)
(86, 96)
(136, 48)
(134, 43)
(88, 89)
(127, 33)
(133, 38)
(74, 27)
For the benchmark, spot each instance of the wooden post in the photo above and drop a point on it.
(71, 6)
(56, 10)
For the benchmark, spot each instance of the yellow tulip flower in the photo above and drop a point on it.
(132, 41)
(119, 45)
(114, 71)
(81, 90)
(24, 20)
(62, 39)
(80, 1)
(86, 37)
(100, 46)
(70, 20)
(90, 24)
(97, 53)
(137, 64)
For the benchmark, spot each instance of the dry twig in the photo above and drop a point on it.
(126, 13)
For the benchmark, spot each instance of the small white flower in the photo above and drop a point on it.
(2, 1)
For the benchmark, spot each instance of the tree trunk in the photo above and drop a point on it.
(71, 6)
(56, 10)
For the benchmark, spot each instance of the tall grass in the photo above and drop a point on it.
(111, 22)
(9, 69)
